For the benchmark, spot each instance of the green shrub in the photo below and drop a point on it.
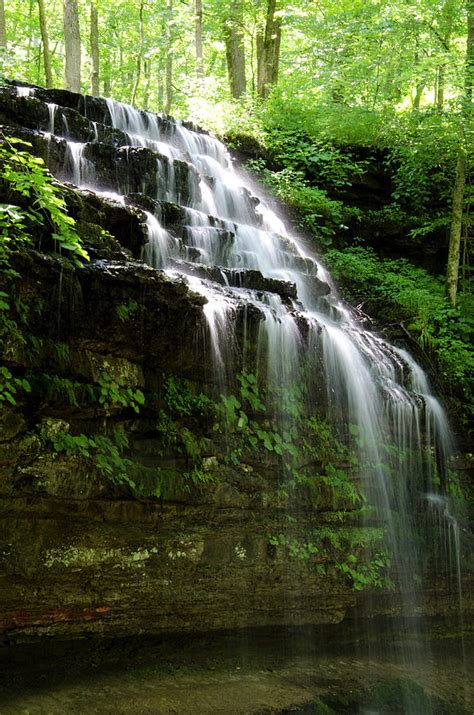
(407, 295)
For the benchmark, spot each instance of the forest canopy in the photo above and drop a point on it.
(183, 56)
(320, 88)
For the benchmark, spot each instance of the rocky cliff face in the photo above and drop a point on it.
(152, 529)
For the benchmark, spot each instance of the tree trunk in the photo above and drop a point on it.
(447, 16)
(169, 58)
(139, 57)
(3, 28)
(48, 74)
(198, 40)
(235, 50)
(106, 80)
(420, 83)
(268, 51)
(259, 47)
(146, 92)
(455, 232)
(30, 38)
(469, 77)
(72, 46)
(456, 227)
(275, 68)
(439, 98)
(95, 55)
(418, 95)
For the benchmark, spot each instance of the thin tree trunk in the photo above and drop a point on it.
(269, 54)
(161, 69)
(391, 89)
(106, 81)
(139, 57)
(169, 58)
(456, 227)
(146, 92)
(259, 46)
(95, 54)
(198, 40)
(48, 74)
(235, 50)
(447, 16)
(30, 38)
(72, 43)
(455, 232)
(275, 67)
(418, 95)
(439, 99)
(38, 63)
(3, 28)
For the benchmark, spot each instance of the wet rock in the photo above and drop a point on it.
(255, 280)
(126, 223)
(11, 424)
(82, 552)
(35, 114)
(70, 296)
(144, 202)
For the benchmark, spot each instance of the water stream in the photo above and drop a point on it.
(236, 252)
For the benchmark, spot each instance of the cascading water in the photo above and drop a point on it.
(376, 394)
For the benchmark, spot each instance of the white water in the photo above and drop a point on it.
(398, 428)
(402, 429)
(52, 114)
(25, 91)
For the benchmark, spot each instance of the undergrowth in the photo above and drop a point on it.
(410, 296)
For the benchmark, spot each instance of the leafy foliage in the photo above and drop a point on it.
(24, 175)
(107, 451)
(114, 393)
(126, 311)
(313, 207)
(104, 450)
(10, 386)
(366, 55)
(405, 294)
(252, 425)
(357, 554)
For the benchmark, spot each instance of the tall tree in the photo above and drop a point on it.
(48, 73)
(235, 50)
(72, 46)
(198, 40)
(268, 51)
(444, 36)
(169, 57)
(3, 33)
(139, 55)
(95, 54)
(462, 162)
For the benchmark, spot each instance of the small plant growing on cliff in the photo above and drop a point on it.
(355, 553)
(25, 180)
(125, 311)
(180, 399)
(25, 177)
(105, 451)
(113, 393)
(9, 386)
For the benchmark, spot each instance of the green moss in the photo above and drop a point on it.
(400, 696)
(320, 708)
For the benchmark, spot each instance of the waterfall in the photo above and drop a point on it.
(235, 251)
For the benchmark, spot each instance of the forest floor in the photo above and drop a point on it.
(223, 681)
